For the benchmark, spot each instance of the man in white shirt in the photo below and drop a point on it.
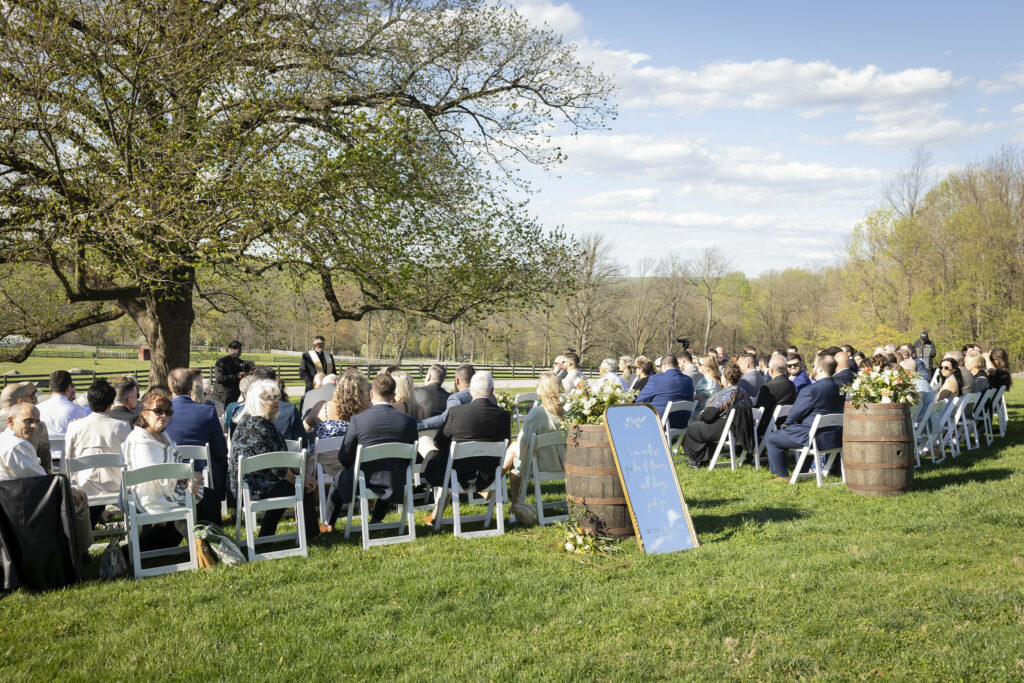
(59, 410)
(95, 433)
(574, 376)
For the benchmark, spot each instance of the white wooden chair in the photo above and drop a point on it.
(136, 518)
(924, 431)
(328, 445)
(531, 472)
(964, 418)
(293, 445)
(200, 454)
(755, 418)
(936, 381)
(57, 453)
(523, 402)
(451, 486)
(675, 435)
(949, 428)
(249, 507)
(777, 414)
(96, 461)
(822, 461)
(983, 417)
(364, 494)
(725, 440)
(999, 410)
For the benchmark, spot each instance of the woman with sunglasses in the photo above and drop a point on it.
(148, 445)
(952, 380)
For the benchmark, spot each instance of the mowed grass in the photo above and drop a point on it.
(790, 582)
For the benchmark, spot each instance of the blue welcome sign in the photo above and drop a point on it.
(660, 516)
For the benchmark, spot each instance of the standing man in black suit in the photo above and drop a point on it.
(315, 360)
(228, 372)
(380, 423)
(777, 391)
(432, 397)
(478, 420)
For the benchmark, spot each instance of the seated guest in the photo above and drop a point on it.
(952, 381)
(26, 392)
(463, 376)
(998, 368)
(288, 422)
(573, 374)
(608, 376)
(256, 433)
(976, 366)
(350, 398)
(544, 417)
(557, 367)
(196, 424)
(405, 395)
(861, 360)
(822, 397)
(627, 369)
(703, 434)
(233, 410)
(965, 374)
(97, 433)
(432, 397)
(751, 380)
(59, 410)
(777, 391)
(668, 385)
(18, 460)
(478, 420)
(924, 389)
(844, 376)
(147, 444)
(126, 400)
(797, 375)
(380, 423)
(311, 400)
(762, 365)
(644, 370)
(711, 379)
(687, 366)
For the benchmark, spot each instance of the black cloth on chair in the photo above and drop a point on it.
(38, 545)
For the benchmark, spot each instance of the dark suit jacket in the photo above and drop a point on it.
(822, 397)
(844, 377)
(778, 391)
(307, 370)
(379, 424)
(196, 424)
(671, 385)
(432, 399)
(478, 420)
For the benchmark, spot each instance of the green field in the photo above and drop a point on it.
(790, 582)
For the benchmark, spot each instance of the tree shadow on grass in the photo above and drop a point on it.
(727, 524)
(959, 477)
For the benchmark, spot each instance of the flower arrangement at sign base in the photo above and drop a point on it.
(585, 405)
(579, 540)
(505, 400)
(883, 386)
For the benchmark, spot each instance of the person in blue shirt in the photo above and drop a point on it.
(668, 385)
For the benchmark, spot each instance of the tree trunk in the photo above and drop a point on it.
(165, 318)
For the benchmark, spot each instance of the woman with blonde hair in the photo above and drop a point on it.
(405, 394)
(711, 379)
(544, 417)
(351, 396)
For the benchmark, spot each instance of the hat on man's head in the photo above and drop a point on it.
(235, 345)
(13, 393)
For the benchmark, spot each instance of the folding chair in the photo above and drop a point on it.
(999, 409)
(293, 445)
(531, 471)
(198, 454)
(525, 400)
(936, 381)
(777, 414)
(249, 507)
(452, 486)
(725, 439)
(755, 418)
(822, 460)
(136, 518)
(964, 417)
(924, 435)
(364, 494)
(57, 452)
(948, 427)
(96, 461)
(675, 435)
(328, 445)
(983, 416)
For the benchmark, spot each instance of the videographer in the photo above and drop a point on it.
(227, 373)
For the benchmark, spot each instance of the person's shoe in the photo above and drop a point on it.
(429, 519)
(776, 477)
(326, 528)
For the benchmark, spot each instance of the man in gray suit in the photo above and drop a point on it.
(687, 367)
(751, 380)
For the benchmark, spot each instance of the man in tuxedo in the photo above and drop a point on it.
(196, 424)
(463, 376)
(380, 423)
(315, 360)
(844, 376)
(777, 391)
(478, 420)
(668, 385)
(751, 380)
(822, 397)
(432, 397)
(228, 371)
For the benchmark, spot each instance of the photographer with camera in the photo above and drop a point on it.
(228, 372)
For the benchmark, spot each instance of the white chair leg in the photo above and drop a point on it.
(456, 512)
(499, 496)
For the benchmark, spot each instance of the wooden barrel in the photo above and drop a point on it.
(591, 481)
(878, 449)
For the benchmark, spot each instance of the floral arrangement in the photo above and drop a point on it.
(505, 400)
(580, 541)
(585, 404)
(883, 386)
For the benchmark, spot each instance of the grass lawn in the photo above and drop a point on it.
(790, 582)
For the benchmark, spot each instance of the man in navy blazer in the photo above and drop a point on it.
(822, 397)
(668, 385)
(380, 423)
(196, 424)
(845, 376)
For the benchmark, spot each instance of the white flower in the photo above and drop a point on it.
(886, 399)
(570, 547)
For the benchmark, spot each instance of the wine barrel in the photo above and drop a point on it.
(592, 486)
(878, 449)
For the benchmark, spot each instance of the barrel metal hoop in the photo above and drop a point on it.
(586, 500)
(907, 464)
(857, 438)
(874, 417)
(590, 471)
(877, 487)
(588, 444)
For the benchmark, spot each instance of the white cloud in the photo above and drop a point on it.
(561, 18)
(913, 126)
(1019, 109)
(641, 196)
(1010, 80)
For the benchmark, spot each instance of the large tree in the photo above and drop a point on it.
(363, 141)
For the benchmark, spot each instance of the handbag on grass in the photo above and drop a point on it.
(222, 545)
(112, 562)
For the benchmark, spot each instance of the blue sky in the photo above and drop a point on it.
(768, 129)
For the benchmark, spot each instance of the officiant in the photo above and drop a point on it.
(315, 360)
